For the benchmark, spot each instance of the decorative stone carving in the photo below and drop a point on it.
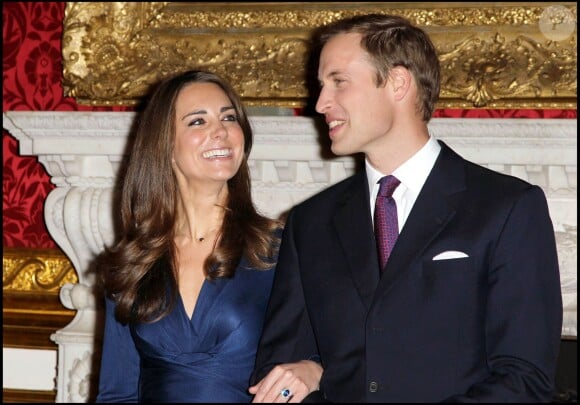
(79, 382)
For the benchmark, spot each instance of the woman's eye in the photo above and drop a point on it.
(230, 117)
(198, 121)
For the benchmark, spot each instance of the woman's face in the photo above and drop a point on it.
(209, 142)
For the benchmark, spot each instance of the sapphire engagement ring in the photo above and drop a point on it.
(286, 393)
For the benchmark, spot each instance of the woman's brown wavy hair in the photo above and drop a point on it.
(140, 267)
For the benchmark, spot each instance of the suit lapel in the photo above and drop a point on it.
(354, 228)
(432, 210)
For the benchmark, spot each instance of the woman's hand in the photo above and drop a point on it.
(289, 382)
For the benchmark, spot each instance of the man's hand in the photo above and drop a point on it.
(290, 382)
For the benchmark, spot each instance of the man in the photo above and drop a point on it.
(468, 306)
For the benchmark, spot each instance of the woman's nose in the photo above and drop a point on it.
(219, 131)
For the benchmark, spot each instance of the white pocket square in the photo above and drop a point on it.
(450, 254)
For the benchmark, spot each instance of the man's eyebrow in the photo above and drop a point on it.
(330, 74)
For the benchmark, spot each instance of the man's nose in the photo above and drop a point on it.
(323, 102)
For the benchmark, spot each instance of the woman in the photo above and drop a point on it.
(188, 282)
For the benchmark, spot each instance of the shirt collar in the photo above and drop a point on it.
(413, 172)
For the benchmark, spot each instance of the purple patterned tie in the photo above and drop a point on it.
(386, 225)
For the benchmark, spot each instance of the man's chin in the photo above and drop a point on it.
(339, 150)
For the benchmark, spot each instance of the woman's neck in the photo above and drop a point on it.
(199, 214)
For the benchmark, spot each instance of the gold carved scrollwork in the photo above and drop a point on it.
(29, 270)
(31, 310)
(493, 55)
(502, 71)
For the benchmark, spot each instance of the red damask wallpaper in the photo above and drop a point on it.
(31, 81)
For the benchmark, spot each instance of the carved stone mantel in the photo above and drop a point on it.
(82, 152)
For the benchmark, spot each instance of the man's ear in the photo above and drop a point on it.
(400, 80)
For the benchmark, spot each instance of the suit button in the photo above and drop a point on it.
(373, 386)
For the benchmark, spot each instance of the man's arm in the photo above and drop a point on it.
(524, 308)
(287, 336)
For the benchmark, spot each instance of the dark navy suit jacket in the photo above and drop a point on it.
(485, 327)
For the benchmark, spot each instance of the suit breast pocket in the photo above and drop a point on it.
(455, 266)
(452, 281)
(452, 295)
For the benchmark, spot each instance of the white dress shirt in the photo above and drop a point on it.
(412, 175)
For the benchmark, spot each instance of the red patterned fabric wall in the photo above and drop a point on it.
(32, 74)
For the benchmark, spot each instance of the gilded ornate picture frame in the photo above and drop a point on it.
(493, 55)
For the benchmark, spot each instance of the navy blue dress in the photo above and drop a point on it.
(208, 358)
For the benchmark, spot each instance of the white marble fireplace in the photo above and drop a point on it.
(82, 152)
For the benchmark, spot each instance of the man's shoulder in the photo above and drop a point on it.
(486, 177)
(331, 195)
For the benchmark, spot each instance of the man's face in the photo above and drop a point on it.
(357, 112)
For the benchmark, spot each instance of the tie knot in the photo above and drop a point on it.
(388, 186)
